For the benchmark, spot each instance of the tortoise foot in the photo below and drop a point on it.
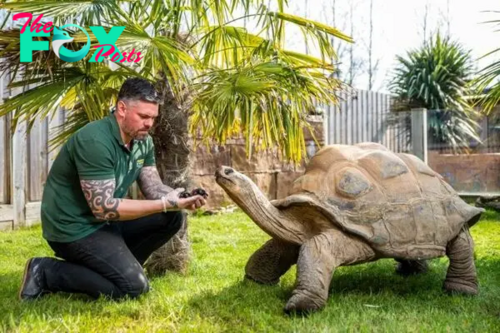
(463, 287)
(302, 304)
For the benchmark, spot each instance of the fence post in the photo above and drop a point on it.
(18, 179)
(419, 133)
(326, 124)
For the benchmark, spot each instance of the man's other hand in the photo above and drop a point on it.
(191, 203)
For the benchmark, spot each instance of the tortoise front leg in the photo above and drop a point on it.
(318, 258)
(461, 276)
(271, 261)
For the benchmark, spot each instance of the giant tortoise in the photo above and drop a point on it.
(355, 204)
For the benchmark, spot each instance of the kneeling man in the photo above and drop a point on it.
(103, 238)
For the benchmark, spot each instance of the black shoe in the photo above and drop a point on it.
(32, 285)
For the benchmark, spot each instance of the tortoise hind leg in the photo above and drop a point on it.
(461, 276)
(411, 267)
(318, 258)
(271, 261)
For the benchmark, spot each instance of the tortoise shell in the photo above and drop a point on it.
(393, 201)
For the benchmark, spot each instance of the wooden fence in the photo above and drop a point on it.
(363, 116)
(25, 160)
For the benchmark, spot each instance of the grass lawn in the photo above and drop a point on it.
(214, 297)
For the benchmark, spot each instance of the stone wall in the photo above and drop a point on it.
(271, 175)
(474, 173)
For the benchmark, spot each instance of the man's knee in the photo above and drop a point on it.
(173, 221)
(136, 285)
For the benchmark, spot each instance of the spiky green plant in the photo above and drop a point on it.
(487, 83)
(435, 77)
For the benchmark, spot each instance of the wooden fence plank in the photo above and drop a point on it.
(344, 111)
(384, 120)
(337, 116)
(354, 116)
(5, 225)
(2, 160)
(19, 166)
(54, 122)
(44, 151)
(3, 139)
(35, 162)
(359, 118)
(370, 117)
(33, 213)
(330, 117)
(19, 174)
(349, 114)
(366, 115)
(6, 213)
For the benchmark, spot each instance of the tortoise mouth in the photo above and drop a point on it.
(223, 175)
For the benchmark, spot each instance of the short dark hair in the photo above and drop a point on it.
(138, 89)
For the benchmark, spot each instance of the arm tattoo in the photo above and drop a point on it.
(99, 195)
(173, 201)
(151, 185)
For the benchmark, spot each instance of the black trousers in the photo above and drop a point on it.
(109, 261)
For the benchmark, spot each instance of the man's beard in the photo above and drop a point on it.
(135, 135)
(140, 136)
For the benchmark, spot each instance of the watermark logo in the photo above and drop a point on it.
(61, 37)
(105, 48)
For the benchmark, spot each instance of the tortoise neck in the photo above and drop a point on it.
(273, 221)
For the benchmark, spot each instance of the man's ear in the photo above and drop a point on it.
(121, 108)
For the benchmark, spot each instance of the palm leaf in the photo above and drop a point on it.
(242, 83)
(95, 12)
(264, 97)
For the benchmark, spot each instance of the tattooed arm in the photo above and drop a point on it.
(150, 183)
(99, 195)
(153, 188)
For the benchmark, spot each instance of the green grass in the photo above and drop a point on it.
(214, 297)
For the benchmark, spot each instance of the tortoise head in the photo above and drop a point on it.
(245, 193)
(238, 186)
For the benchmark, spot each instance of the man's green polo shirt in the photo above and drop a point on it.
(95, 152)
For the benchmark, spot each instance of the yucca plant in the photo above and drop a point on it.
(435, 77)
(218, 79)
(487, 83)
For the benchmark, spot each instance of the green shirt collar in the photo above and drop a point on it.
(115, 129)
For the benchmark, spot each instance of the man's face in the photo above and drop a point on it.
(137, 118)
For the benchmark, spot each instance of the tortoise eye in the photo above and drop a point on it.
(228, 171)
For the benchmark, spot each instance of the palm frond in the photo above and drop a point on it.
(87, 12)
(266, 102)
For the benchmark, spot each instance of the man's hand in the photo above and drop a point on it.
(191, 203)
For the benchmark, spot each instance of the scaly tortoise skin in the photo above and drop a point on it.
(355, 204)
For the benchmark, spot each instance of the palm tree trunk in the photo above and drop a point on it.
(170, 136)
